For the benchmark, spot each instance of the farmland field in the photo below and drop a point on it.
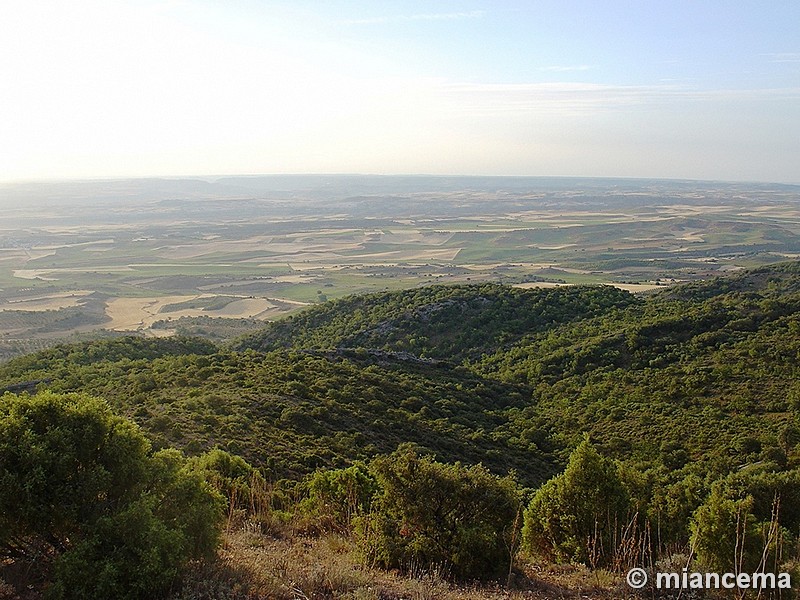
(159, 256)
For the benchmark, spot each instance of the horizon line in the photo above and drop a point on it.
(213, 178)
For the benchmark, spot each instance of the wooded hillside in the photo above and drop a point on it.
(677, 411)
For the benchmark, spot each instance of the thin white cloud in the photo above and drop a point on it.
(783, 57)
(560, 97)
(451, 16)
(575, 99)
(564, 68)
(473, 14)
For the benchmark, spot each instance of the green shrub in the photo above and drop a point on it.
(579, 514)
(235, 478)
(126, 555)
(746, 521)
(429, 515)
(336, 496)
(80, 485)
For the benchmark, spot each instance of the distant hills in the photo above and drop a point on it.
(337, 187)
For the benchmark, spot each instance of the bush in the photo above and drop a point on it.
(236, 479)
(128, 554)
(579, 514)
(746, 521)
(80, 485)
(446, 517)
(336, 496)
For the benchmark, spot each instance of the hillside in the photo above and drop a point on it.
(508, 377)
(675, 413)
(451, 323)
(293, 412)
(710, 368)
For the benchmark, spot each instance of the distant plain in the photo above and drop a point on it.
(219, 257)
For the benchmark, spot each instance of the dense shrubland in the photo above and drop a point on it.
(450, 323)
(85, 502)
(573, 424)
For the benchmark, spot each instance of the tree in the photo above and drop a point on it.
(747, 520)
(577, 515)
(724, 532)
(81, 485)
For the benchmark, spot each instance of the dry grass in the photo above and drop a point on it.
(46, 302)
(255, 566)
(131, 314)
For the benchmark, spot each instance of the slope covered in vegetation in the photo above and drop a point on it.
(294, 412)
(676, 416)
(707, 369)
(508, 377)
(710, 369)
(451, 323)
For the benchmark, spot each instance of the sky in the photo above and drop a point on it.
(684, 89)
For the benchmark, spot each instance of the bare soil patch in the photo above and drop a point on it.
(48, 302)
(132, 314)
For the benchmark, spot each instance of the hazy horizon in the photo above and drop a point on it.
(218, 177)
(187, 88)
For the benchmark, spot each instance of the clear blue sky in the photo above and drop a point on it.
(679, 89)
